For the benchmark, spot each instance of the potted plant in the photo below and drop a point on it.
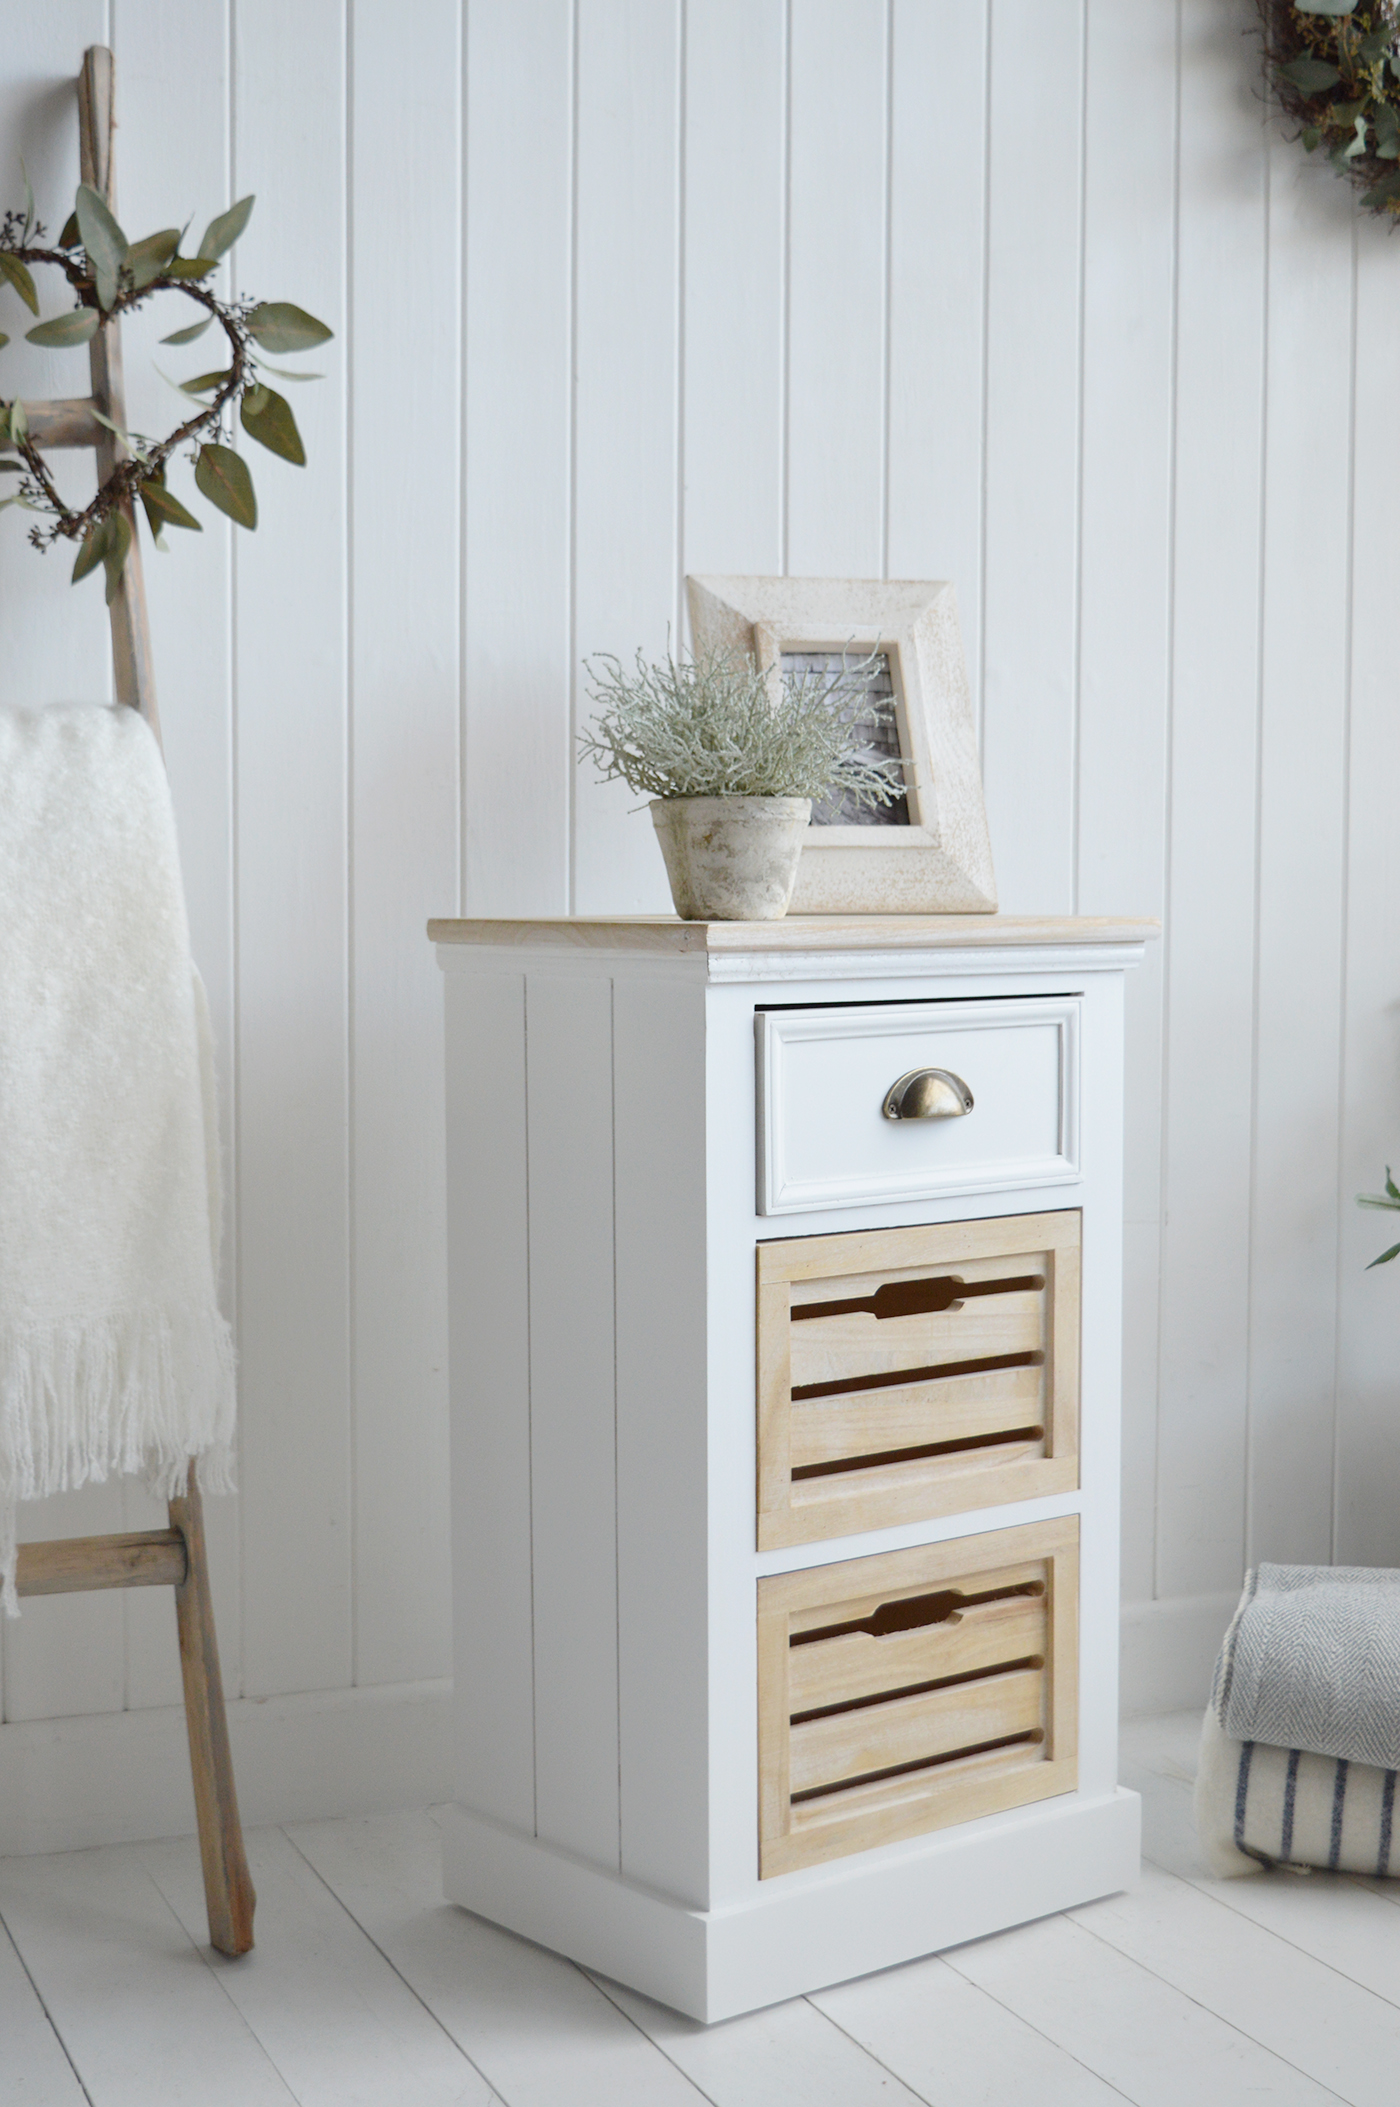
(732, 756)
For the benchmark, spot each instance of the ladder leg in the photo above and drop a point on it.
(228, 1890)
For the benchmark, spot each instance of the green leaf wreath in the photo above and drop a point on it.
(1389, 1198)
(112, 276)
(1336, 71)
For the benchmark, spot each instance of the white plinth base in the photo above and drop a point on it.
(804, 1930)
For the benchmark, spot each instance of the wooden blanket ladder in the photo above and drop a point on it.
(173, 1557)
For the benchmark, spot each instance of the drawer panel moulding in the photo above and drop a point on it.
(914, 1690)
(905, 1374)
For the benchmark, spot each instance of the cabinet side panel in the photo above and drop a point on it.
(488, 1334)
(659, 1105)
(1101, 1390)
(573, 1442)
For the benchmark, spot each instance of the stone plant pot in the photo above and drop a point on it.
(731, 859)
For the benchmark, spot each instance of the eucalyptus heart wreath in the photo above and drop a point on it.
(1336, 70)
(111, 276)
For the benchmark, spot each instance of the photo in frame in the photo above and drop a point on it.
(927, 852)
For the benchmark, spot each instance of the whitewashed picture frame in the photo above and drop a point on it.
(938, 860)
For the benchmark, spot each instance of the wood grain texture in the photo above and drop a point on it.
(874, 1738)
(133, 666)
(840, 1710)
(58, 424)
(804, 1260)
(1038, 1402)
(955, 1408)
(228, 1890)
(71, 1565)
(665, 935)
(975, 1637)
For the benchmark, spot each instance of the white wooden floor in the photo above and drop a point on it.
(366, 1988)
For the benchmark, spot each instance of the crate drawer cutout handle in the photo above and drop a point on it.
(928, 1093)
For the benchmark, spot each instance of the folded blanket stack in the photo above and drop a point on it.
(113, 1353)
(1301, 1744)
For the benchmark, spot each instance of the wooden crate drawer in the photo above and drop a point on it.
(916, 1689)
(909, 1373)
(825, 1139)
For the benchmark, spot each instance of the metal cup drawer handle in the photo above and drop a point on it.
(927, 1093)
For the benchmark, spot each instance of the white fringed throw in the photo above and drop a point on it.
(113, 1353)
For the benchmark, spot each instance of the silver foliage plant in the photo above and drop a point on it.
(719, 725)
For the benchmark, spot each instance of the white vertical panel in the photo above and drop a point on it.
(1302, 860)
(937, 258)
(172, 160)
(518, 760)
(290, 621)
(1211, 907)
(404, 168)
(626, 514)
(1368, 1453)
(735, 90)
(56, 649)
(60, 650)
(1124, 613)
(573, 1420)
(837, 158)
(659, 1111)
(488, 1257)
(676, 124)
(1033, 382)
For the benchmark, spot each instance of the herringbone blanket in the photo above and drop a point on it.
(1312, 1661)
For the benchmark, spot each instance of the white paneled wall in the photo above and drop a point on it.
(1031, 294)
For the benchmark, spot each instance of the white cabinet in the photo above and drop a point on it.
(785, 1438)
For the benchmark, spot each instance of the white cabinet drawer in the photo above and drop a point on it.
(823, 1074)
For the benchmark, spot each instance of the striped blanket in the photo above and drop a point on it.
(1301, 1743)
(1258, 1806)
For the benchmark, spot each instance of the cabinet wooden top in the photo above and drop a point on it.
(666, 935)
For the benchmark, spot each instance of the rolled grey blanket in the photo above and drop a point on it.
(1312, 1661)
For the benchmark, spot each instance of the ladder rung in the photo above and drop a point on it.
(68, 423)
(149, 1558)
